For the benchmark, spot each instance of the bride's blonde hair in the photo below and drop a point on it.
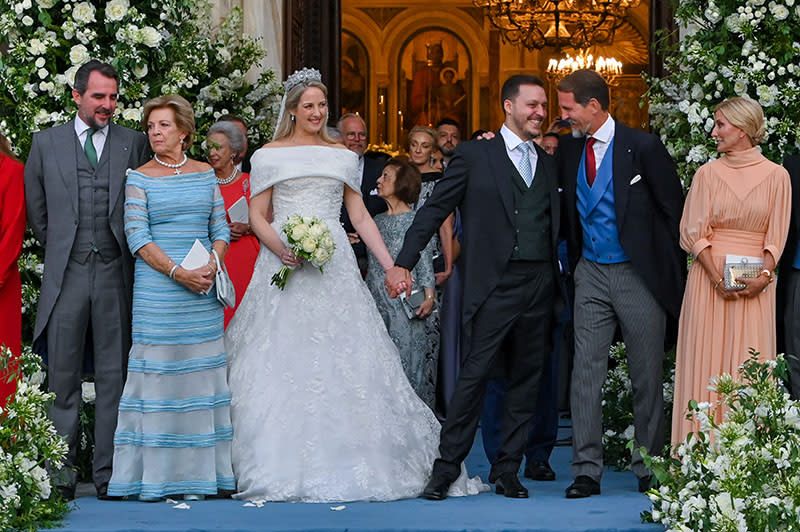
(285, 127)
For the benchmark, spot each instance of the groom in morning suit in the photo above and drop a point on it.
(622, 208)
(507, 191)
(74, 189)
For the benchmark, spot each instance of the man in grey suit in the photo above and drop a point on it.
(74, 190)
(622, 207)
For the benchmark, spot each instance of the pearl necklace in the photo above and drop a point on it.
(173, 166)
(229, 180)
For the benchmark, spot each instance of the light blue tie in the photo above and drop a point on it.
(525, 163)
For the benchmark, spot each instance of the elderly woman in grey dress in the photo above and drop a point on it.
(399, 186)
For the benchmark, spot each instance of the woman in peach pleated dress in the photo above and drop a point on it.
(738, 204)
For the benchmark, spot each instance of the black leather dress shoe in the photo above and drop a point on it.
(645, 483)
(539, 471)
(67, 492)
(436, 490)
(102, 494)
(583, 487)
(509, 485)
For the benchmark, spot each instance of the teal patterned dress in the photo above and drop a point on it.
(174, 430)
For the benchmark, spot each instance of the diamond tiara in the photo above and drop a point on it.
(300, 77)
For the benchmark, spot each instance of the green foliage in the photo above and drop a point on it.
(741, 474)
(28, 440)
(732, 48)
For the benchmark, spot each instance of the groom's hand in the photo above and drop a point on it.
(398, 279)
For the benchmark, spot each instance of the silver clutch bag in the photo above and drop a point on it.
(741, 266)
(226, 293)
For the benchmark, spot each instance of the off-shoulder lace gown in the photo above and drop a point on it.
(321, 408)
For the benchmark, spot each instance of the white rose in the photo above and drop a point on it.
(70, 75)
(87, 392)
(116, 10)
(740, 86)
(47, 86)
(309, 245)
(315, 231)
(46, 4)
(43, 74)
(18, 9)
(28, 21)
(224, 54)
(149, 36)
(780, 12)
(299, 232)
(26, 4)
(83, 13)
(140, 71)
(133, 114)
(39, 62)
(78, 54)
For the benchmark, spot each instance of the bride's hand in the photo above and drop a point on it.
(288, 258)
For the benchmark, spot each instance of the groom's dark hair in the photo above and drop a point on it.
(511, 86)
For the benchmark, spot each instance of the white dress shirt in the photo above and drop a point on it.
(603, 137)
(512, 140)
(98, 139)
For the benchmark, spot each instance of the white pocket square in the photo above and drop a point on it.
(373, 192)
(636, 179)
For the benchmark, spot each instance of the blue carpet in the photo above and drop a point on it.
(616, 510)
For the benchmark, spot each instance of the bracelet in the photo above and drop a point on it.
(428, 297)
(769, 273)
(716, 285)
(172, 271)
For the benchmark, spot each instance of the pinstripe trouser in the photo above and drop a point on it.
(607, 296)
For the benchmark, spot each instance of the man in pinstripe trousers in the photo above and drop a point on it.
(622, 207)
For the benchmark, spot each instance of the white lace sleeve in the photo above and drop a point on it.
(263, 174)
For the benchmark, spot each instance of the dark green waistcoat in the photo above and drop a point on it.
(532, 217)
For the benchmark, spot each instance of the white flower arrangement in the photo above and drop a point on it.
(744, 48)
(740, 474)
(28, 440)
(310, 239)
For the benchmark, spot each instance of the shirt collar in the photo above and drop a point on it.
(81, 127)
(605, 132)
(512, 140)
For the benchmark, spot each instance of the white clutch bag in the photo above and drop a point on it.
(226, 293)
(741, 266)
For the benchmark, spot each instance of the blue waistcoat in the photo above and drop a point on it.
(598, 217)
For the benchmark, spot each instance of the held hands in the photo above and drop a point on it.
(353, 238)
(441, 277)
(398, 279)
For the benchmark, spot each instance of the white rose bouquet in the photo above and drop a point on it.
(310, 239)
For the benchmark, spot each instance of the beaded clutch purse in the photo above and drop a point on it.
(741, 266)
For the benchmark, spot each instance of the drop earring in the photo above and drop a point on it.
(292, 116)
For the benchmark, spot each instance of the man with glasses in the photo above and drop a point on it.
(370, 164)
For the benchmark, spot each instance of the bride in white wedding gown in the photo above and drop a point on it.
(321, 407)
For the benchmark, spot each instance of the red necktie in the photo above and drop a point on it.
(591, 167)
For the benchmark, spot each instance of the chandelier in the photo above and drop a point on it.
(557, 23)
(608, 67)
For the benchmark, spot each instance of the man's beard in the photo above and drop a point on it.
(446, 152)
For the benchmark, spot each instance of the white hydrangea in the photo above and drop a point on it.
(37, 47)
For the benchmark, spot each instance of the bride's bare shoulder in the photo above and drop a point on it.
(277, 144)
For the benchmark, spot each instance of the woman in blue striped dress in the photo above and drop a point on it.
(174, 431)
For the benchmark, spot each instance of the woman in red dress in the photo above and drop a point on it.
(12, 230)
(225, 141)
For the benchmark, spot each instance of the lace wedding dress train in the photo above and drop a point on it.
(321, 407)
